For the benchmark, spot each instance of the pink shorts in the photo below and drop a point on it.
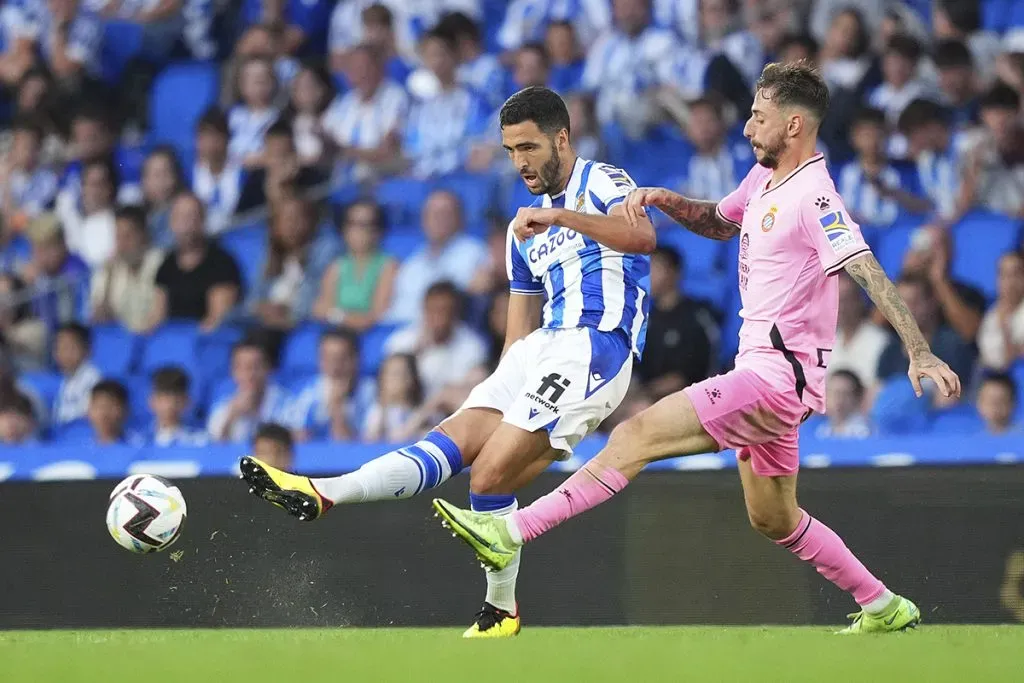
(757, 417)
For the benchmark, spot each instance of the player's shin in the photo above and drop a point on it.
(402, 473)
(501, 584)
(590, 486)
(817, 544)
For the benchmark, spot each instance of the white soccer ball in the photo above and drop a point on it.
(146, 513)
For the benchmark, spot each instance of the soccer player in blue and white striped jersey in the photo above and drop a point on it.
(568, 356)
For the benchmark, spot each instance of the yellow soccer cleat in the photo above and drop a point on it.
(491, 622)
(290, 492)
(485, 533)
(900, 615)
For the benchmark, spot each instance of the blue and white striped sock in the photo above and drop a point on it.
(501, 585)
(399, 474)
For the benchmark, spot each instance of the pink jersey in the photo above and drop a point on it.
(794, 236)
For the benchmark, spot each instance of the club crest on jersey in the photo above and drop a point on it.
(768, 222)
(836, 230)
(581, 203)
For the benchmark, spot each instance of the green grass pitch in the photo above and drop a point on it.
(971, 654)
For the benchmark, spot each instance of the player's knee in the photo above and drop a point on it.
(488, 477)
(774, 523)
(626, 440)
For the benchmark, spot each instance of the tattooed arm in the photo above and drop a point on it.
(868, 273)
(697, 216)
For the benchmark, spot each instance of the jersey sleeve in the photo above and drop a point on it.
(608, 186)
(732, 207)
(521, 279)
(831, 231)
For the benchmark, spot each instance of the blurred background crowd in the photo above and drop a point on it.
(287, 217)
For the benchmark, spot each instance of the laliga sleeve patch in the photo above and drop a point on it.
(839, 235)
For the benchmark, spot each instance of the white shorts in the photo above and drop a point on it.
(564, 381)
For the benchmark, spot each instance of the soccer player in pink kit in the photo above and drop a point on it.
(795, 234)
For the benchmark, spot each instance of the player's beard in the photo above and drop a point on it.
(771, 152)
(548, 175)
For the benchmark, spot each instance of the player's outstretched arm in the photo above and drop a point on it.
(868, 273)
(612, 230)
(695, 215)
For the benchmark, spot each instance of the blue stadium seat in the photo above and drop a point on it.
(402, 199)
(700, 254)
(213, 356)
(248, 246)
(961, 419)
(114, 349)
(180, 95)
(122, 41)
(138, 387)
(891, 244)
(173, 344)
(45, 384)
(477, 193)
(979, 239)
(897, 411)
(77, 431)
(371, 348)
(403, 241)
(299, 355)
(714, 287)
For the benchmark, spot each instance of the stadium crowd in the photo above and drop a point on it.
(288, 216)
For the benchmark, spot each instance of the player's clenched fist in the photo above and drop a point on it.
(531, 221)
(642, 197)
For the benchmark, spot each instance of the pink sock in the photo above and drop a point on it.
(815, 543)
(586, 488)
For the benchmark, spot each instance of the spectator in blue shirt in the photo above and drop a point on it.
(67, 36)
(29, 187)
(443, 122)
(926, 129)
(108, 415)
(162, 180)
(331, 404)
(18, 424)
(304, 22)
(919, 296)
(565, 57)
(167, 24)
(273, 445)
(252, 117)
(901, 82)
(717, 165)
(846, 418)
(997, 403)
(297, 257)
(355, 23)
(59, 279)
(17, 55)
(71, 351)
(93, 139)
(169, 403)
(874, 189)
(256, 398)
(958, 82)
(478, 70)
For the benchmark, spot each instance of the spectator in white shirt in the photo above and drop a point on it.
(89, 228)
(67, 35)
(627, 62)
(859, 342)
(448, 255)
(1001, 336)
(256, 399)
(446, 349)
(717, 166)
(992, 175)
(250, 120)
(960, 20)
(71, 356)
(395, 416)
(124, 289)
(526, 20)
(311, 93)
(901, 83)
(366, 123)
(845, 51)
(846, 418)
(446, 117)
(215, 179)
(169, 403)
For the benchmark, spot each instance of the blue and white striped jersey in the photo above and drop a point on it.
(586, 283)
